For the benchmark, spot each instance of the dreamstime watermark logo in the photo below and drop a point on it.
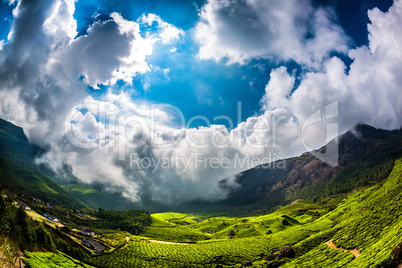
(100, 124)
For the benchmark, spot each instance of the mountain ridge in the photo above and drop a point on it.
(261, 188)
(15, 145)
(268, 186)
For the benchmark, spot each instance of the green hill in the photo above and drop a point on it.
(20, 174)
(363, 230)
(15, 147)
(366, 156)
(20, 180)
(96, 198)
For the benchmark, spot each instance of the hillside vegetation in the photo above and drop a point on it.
(365, 229)
(20, 174)
(366, 157)
(26, 181)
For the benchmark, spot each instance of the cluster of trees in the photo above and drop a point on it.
(365, 173)
(19, 228)
(132, 221)
(67, 248)
(24, 233)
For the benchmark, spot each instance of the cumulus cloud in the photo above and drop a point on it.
(112, 50)
(45, 70)
(369, 92)
(168, 33)
(241, 30)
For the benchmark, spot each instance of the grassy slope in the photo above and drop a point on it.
(19, 171)
(248, 244)
(20, 174)
(52, 260)
(368, 220)
(26, 180)
(96, 199)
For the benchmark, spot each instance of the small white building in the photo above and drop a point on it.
(50, 217)
(23, 205)
(87, 232)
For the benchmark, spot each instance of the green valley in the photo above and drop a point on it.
(367, 221)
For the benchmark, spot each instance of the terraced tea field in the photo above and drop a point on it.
(350, 233)
(213, 241)
(230, 241)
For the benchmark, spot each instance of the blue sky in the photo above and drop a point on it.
(197, 87)
(221, 86)
(203, 87)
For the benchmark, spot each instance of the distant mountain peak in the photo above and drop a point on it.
(361, 149)
(11, 128)
(365, 130)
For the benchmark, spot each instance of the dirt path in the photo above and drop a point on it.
(355, 252)
(331, 244)
(126, 244)
(78, 241)
(167, 242)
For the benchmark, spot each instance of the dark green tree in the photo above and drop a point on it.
(26, 236)
(5, 218)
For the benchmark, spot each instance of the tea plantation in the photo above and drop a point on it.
(361, 229)
(367, 221)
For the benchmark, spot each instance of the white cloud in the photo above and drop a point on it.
(39, 71)
(278, 90)
(277, 30)
(369, 93)
(166, 73)
(10, 2)
(168, 33)
(146, 86)
(60, 22)
(112, 50)
(140, 49)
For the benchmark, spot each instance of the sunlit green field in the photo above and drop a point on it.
(214, 241)
(364, 230)
(52, 260)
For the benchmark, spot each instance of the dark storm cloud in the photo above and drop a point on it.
(29, 47)
(99, 53)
